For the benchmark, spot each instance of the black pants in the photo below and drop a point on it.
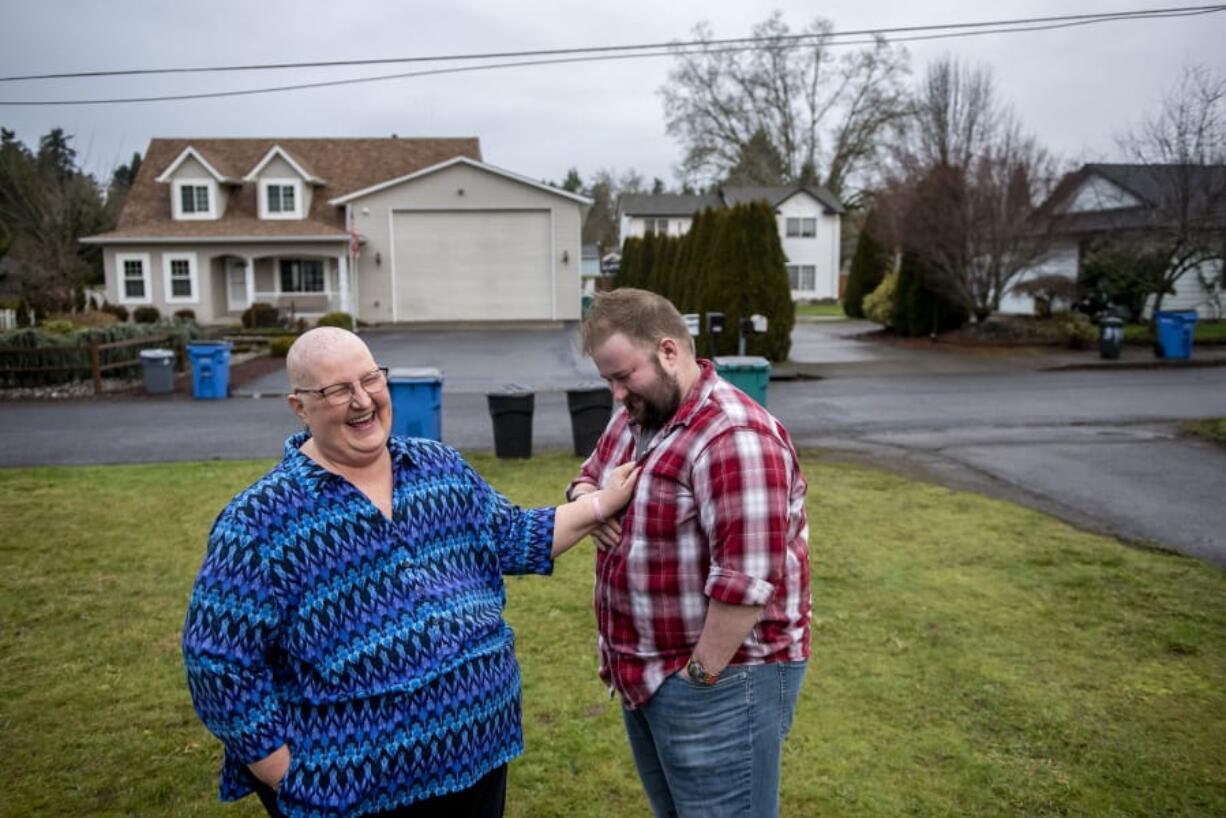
(485, 799)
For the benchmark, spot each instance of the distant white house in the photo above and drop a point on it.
(1103, 200)
(808, 217)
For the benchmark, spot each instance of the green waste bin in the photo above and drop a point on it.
(749, 373)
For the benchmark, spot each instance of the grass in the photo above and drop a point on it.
(1206, 332)
(830, 310)
(1210, 429)
(970, 657)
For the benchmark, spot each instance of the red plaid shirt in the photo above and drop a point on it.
(718, 513)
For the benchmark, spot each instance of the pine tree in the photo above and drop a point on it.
(869, 266)
(918, 309)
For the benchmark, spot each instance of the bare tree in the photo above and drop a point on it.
(1180, 159)
(820, 111)
(966, 185)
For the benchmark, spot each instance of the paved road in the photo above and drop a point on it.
(1097, 448)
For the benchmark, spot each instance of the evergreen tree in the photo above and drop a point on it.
(573, 183)
(869, 266)
(919, 308)
(759, 163)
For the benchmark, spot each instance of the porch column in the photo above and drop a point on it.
(342, 278)
(250, 274)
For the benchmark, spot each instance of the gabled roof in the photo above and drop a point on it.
(777, 195)
(459, 160)
(191, 153)
(665, 204)
(1156, 186)
(274, 152)
(345, 165)
(682, 204)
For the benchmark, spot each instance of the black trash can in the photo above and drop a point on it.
(591, 406)
(511, 410)
(1110, 337)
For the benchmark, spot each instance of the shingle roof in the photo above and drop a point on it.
(345, 165)
(680, 204)
(665, 204)
(1157, 186)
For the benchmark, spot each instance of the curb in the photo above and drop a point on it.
(1159, 364)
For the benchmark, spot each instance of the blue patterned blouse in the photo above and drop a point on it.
(374, 648)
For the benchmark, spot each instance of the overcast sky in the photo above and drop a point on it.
(1076, 89)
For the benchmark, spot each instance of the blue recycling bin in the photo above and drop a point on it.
(417, 401)
(1175, 331)
(210, 362)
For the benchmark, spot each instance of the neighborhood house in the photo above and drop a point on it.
(389, 230)
(808, 220)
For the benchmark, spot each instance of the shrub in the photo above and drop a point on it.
(869, 267)
(1046, 290)
(86, 318)
(879, 304)
(117, 310)
(919, 309)
(185, 315)
(146, 315)
(57, 326)
(278, 346)
(261, 314)
(1076, 329)
(31, 349)
(336, 319)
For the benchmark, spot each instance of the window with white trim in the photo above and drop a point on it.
(195, 199)
(133, 275)
(801, 228)
(179, 278)
(802, 276)
(281, 199)
(655, 226)
(302, 275)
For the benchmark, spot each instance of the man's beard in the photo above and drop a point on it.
(653, 412)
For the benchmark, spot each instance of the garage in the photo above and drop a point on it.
(473, 265)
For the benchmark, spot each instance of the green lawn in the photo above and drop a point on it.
(821, 310)
(1207, 332)
(1211, 429)
(970, 657)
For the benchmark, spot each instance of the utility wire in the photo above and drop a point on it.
(601, 55)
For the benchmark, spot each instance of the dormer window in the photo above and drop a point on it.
(281, 199)
(195, 199)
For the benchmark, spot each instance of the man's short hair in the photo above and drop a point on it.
(642, 316)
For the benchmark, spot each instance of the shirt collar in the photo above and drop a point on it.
(400, 448)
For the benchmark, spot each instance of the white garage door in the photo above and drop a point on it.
(472, 265)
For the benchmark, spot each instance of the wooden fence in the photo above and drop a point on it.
(95, 349)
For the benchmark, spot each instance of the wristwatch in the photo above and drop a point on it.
(699, 674)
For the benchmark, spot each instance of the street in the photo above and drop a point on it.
(1100, 449)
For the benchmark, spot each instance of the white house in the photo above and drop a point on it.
(1103, 200)
(390, 230)
(808, 217)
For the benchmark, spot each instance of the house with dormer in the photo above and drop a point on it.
(389, 230)
(808, 218)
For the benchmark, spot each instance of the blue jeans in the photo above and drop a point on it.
(714, 751)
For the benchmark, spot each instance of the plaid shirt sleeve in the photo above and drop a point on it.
(740, 484)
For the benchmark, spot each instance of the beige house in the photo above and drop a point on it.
(390, 230)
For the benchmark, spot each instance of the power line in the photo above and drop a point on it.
(600, 54)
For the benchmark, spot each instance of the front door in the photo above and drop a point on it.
(238, 294)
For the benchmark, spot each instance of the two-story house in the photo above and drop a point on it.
(389, 230)
(808, 218)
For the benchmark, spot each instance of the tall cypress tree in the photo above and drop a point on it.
(918, 308)
(869, 266)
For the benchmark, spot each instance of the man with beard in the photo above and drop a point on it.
(702, 588)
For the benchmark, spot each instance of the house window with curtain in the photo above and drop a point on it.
(802, 276)
(801, 228)
(302, 275)
(280, 199)
(134, 280)
(194, 199)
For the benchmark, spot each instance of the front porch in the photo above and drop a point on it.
(300, 285)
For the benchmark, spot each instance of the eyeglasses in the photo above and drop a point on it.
(338, 394)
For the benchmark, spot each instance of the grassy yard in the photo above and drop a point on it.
(1207, 332)
(820, 310)
(1211, 429)
(970, 658)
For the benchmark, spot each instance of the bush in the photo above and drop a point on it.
(87, 319)
(146, 315)
(57, 326)
(335, 319)
(869, 267)
(1076, 330)
(260, 315)
(185, 315)
(278, 347)
(919, 309)
(117, 310)
(35, 348)
(879, 304)
(1046, 290)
